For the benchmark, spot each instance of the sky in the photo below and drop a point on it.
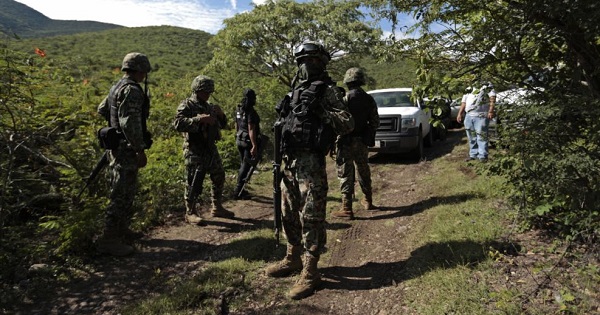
(206, 15)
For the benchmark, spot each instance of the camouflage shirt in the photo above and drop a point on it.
(197, 137)
(130, 102)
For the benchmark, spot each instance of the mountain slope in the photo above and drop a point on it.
(23, 21)
(173, 51)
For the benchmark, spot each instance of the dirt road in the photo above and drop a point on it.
(362, 269)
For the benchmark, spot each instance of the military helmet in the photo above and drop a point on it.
(310, 48)
(136, 62)
(203, 83)
(355, 75)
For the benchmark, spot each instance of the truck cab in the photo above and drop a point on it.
(404, 124)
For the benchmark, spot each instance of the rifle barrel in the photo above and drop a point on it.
(99, 166)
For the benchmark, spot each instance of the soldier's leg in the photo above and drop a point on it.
(292, 227)
(361, 158)
(217, 178)
(195, 174)
(346, 176)
(119, 212)
(312, 177)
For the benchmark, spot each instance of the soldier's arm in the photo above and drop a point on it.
(339, 116)
(184, 122)
(220, 115)
(104, 109)
(130, 116)
(374, 115)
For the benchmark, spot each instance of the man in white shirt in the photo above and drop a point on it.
(479, 108)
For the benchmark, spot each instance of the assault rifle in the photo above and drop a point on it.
(277, 177)
(262, 140)
(99, 166)
(194, 191)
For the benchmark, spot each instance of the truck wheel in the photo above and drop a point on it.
(429, 137)
(418, 152)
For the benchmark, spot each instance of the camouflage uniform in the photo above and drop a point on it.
(304, 184)
(126, 108)
(199, 147)
(352, 151)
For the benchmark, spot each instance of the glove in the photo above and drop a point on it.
(309, 96)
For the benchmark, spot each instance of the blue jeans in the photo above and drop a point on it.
(477, 135)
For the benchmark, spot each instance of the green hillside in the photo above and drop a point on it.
(25, 22)
(173, 51)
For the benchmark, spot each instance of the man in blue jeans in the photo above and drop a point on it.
(479, 108)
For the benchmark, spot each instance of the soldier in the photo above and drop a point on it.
(126, 108)
(247, 140)
(200, 122)
(352, 149)
(311, 115)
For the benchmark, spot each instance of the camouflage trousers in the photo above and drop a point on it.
(199, 165)
(123, 178)
(352, 158)
(304, 192)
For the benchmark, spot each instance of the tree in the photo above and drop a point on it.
(553, 50)
(260, 43)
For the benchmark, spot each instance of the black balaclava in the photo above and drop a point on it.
(310, 71)
(249, 99)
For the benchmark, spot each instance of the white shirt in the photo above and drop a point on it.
(476, 102)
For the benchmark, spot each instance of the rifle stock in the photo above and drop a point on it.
(193, 190)
(99, 166)
(277, 180)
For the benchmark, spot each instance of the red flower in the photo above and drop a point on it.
(40, 52)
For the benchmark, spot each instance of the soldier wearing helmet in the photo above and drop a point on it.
(126, 108)
(352, 149)
(200, 123)
(136, 62)
(310, 116)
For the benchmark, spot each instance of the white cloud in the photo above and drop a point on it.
(206, 15)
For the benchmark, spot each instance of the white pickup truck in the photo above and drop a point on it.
(404, 125)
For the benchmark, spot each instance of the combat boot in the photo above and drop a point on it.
(367, 202)
(291, 263)
(219, 211)
(346, 211)
(110, 243)
(190, 214)
(309, 279)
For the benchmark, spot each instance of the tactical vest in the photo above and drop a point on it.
(207, 135)
(243, 134)
(302, 128)
(114, 108)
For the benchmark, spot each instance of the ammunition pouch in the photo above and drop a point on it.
(109, 138)
(307, 131)
(302, 126)
(242, 139)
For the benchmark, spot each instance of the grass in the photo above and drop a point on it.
(229, 280)
(453, 243)
(458, 260)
